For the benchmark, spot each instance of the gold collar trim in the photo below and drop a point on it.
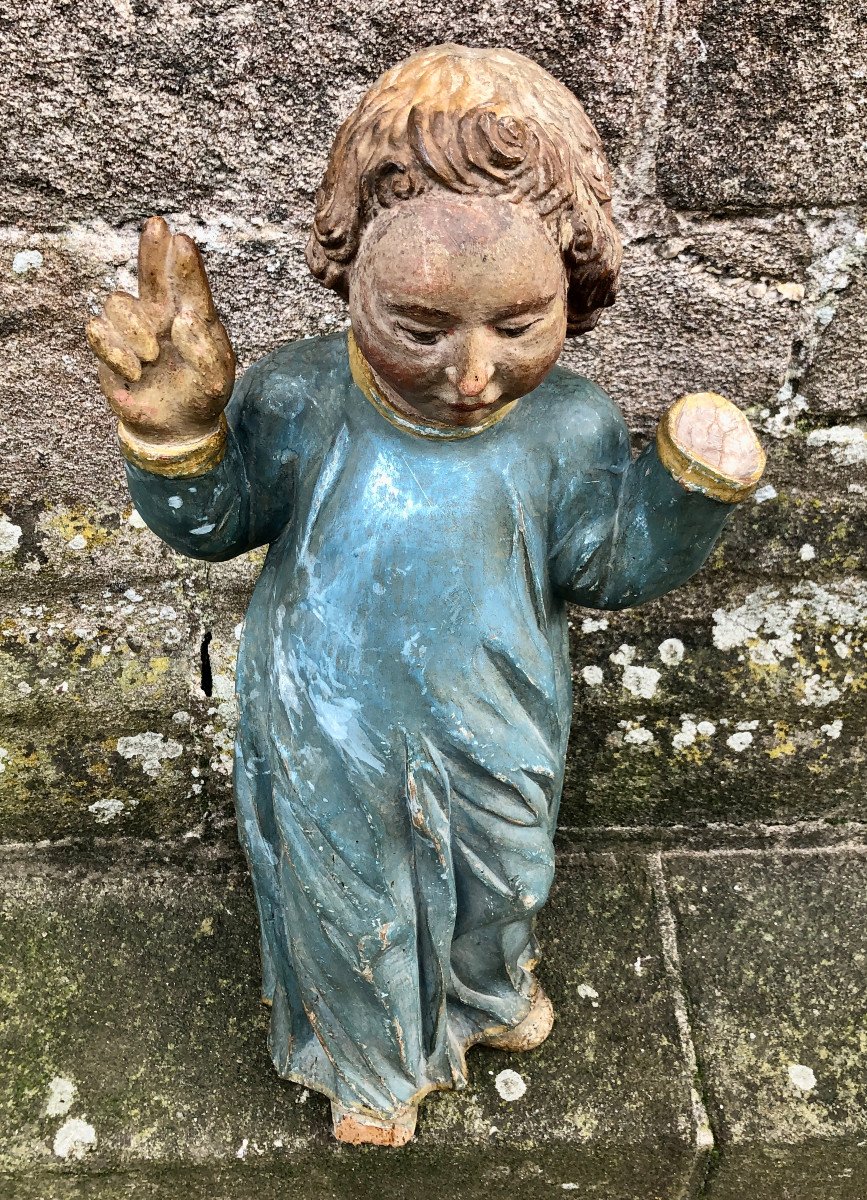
(366, 382)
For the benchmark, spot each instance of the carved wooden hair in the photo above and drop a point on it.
(473, 121)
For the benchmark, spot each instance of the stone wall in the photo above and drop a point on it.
(737, 136)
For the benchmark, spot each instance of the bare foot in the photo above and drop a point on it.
(529, 1033)
(359, 1129)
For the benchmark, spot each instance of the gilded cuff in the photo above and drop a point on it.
(180, 460)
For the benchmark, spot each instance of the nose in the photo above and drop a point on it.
(473, 369)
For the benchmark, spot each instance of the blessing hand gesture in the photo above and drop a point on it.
(166, 366)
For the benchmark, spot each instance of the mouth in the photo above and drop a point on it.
(473, 407)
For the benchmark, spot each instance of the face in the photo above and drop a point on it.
(458, 304)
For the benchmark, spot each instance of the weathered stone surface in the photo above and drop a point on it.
(134, 994)
(766, 105)
(211, 105)
(677, 328)
(774, 955)
(834, 385)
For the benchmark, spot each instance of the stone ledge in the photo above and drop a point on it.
(773, 950)
(139, 987)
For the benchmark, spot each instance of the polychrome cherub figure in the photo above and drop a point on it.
(433, 490)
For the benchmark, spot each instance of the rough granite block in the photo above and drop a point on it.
(765, 105)
(774, 957)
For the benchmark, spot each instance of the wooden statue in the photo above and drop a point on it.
(433, 490)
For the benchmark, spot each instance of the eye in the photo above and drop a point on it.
(424, 337)
(513, 331)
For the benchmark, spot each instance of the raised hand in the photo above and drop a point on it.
(708, 443)
(165, 363)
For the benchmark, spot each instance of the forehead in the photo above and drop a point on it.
(439, 244)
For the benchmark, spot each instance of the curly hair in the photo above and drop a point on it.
(473, 121)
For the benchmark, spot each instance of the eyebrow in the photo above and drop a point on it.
(420, 312)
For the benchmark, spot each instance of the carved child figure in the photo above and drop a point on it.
(433, 490)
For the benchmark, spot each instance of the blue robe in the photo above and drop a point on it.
(404, 691)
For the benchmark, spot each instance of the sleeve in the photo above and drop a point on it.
(625, 531)
(247, 498)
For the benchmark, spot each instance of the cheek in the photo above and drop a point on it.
(529, 363)
(396, 363)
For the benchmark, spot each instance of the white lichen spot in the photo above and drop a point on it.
(27, 260)
(623, 655)
(4, 754)
(592, 625)
(570, 1187)
(241, 1152)
(61, 1093)
(587, 992)
(106, 810)
(151, 748)
(79, 542)
(592, 676)
(706, 728)
(833, 730)
(136, 520)
(641, 681)
(801, 1077)
(739, 741)
(671, 651)
(133, 596)
(74, 1138)
(841, 650)
(638, 736)
(848, 443)
(768, 492)
(10, 536)
(687, 734)
(807, 552)
(510, 1085)
(818, 691)
(766, 625)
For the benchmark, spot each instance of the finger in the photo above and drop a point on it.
(114, 390)
(153, 254)
(189, 283)
(110, 348)
(197, 347)
(128, 317)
